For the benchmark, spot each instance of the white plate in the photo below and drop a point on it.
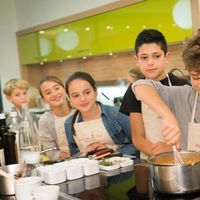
(108, 168)
(121, 161)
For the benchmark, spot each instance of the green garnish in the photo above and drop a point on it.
(105, 162)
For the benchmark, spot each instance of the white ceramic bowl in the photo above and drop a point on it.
(91, 167)
(55, 175)
(46, 192)
(79, 161)
(40, 170)
(24, 187)
(74, 172)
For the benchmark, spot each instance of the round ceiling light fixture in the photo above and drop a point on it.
(67, 40)
(182, 14)
(45, 46)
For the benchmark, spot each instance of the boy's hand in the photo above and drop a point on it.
(171, 132)
(160, 147)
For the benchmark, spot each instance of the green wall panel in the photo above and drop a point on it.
(113, 31)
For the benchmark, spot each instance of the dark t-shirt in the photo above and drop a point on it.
(131, 104)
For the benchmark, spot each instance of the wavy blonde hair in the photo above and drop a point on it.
(13, 84)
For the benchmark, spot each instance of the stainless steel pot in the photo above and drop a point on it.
(175, 178)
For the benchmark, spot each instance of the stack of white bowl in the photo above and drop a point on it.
(68, 170)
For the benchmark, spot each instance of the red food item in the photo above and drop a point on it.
(103, 151)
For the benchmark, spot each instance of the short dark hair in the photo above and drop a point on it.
(148, 36)
(80, 75)
(191, 53)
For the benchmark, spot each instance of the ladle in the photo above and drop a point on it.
(177, 157)
(5, 174)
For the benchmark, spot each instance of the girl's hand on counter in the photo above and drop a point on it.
(64, 154)
(94, 146)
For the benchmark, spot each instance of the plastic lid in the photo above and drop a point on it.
(2, 116)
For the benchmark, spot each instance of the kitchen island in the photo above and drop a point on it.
(118, 184)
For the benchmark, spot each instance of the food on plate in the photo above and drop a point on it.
(105, 162)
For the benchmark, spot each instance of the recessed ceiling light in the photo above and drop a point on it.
(127, 27)
(60, 60)
(41, 32)
(87, 28)
(41, 63)
(110, 54)
(66, 29)
(144, 26)
(69, 56)
(109, 27)
(84, 57)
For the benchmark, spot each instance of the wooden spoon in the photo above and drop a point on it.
(5, 174)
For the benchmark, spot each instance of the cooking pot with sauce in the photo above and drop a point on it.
(166, 176)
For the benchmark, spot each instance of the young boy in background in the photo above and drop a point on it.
(152, 57)
(16, 92)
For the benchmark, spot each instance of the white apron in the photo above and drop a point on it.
(152, 125)
(60, 133)
(93, 131)
(194, 130)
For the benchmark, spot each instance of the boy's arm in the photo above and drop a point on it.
(138, 134)
(150, 97)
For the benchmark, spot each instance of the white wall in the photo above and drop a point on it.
(9, 65)
(16, 15)
(34, 12)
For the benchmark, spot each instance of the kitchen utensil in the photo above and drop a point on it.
(168, 177)
(177, 156)
(5, 174)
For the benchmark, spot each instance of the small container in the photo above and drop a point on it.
(79, 161)
(91, 167)
(74, 172)
(40, 171)
(55, 175)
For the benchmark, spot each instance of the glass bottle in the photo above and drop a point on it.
(3, 129)
(28, 138)
(10, 148)
(14, 128)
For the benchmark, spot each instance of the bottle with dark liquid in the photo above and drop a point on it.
(9, 148)
(3, 130)
(14, 128)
